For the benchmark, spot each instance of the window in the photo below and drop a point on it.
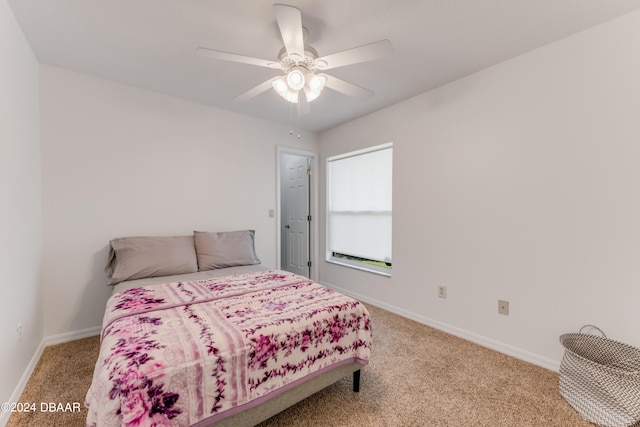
(359, 208)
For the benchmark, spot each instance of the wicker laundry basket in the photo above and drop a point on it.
(600, 378)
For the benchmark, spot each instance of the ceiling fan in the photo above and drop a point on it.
(301, 65)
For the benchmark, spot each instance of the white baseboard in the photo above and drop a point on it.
(518, 353)
(46, 342)
(17, 392)
(71, 336)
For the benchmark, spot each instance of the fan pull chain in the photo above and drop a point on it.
(291, 112)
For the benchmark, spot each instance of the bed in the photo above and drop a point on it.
(220, 341)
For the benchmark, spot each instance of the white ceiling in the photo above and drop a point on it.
(150, 44)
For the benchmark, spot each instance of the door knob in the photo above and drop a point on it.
(287, 226)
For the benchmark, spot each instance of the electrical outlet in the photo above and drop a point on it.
(442, 291)
(19, 332)
(503, 307)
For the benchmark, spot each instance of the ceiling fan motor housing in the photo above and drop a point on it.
(287, 62)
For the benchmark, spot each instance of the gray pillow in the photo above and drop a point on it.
(139, 257)
(225, 249)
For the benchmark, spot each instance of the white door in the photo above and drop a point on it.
(295, 176)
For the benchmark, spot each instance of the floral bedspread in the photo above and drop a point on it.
(185, 352)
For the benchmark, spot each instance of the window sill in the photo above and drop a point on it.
(360, 266)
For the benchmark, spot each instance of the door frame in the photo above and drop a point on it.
(313, 199)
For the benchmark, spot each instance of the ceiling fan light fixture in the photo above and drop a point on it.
(280, 85)
(282, 88)
(316, 82)
(314, 86)
(296, 78)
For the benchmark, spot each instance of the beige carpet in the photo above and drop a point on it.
(417, 376)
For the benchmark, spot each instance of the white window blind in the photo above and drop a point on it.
(359, 203)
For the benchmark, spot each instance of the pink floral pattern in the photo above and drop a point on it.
(184, 352)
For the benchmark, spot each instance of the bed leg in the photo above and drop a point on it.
(356, 381)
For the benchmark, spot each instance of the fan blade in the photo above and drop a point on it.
(290, 23)
(348, 88)
(367, 52)
(226, 56)
(255, 91)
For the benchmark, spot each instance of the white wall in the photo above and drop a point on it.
(21, 211)
(520, 182)
(118, 161)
